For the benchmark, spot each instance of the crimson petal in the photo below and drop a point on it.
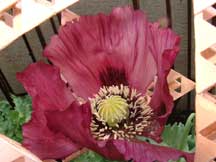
(43, 142)
(103, 50)
(162, 40)
(75, 123)
(164, 47)
(78, 75)
(145, 152)
(43, 82)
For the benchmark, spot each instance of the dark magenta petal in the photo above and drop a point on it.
(75, 69)
(104, 50)
(43, 81)
(145, 152)
(43, 142)
(74, 123)
(162, 101)
(162, 40)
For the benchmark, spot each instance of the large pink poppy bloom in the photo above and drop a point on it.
(107, 62)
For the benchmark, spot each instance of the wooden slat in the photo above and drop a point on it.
(179, 85)
(205, 35)
(74, 155)
(11, 151)
(29, 19)
(209, 13)
(205, 39)
(59, 5)
(205, 149)
(6, 4)
(205, 111)
(200, 5)
(205, 117)
(185, 84)
(68, 15)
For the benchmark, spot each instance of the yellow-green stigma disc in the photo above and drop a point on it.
(113, 110)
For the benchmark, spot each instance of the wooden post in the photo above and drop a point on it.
(11, 151)
(205, 59)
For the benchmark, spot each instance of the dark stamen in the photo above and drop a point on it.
(112, 76)
(138, 119)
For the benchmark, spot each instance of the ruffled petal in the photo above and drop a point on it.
(78, 75)
(75, 121)
(75, 124)
(43, 82)
(165, 51)
(104, 50)
(43, 142)
(145, 152)
(162, 40)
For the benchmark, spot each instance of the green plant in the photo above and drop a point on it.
(12, 119)
(181, 136)
(91, 156)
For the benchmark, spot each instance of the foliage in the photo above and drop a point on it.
(184, 133)
(12, 119)
(179, 136)
(91, 156)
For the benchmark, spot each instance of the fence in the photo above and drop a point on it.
(29, 46)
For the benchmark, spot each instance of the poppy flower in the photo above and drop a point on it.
(96, 94)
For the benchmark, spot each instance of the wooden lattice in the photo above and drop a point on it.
(15, 24)
(205, 39)
(20, 16)
(11, 151)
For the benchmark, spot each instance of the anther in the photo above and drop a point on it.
(119, 112)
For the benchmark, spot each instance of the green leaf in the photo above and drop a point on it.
(178, 136)
(12, 119)
(91, 156)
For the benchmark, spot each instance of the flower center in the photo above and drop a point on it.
(113, 110)
(119, 112)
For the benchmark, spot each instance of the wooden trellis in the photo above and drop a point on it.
(16, 19)
(20, 16)
(205, 40)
